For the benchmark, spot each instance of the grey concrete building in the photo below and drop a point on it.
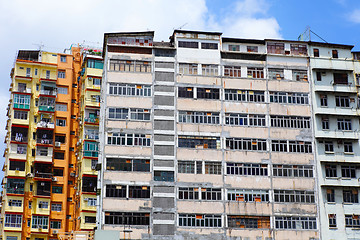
(207, 137)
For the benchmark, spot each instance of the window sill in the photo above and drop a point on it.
(349, 153)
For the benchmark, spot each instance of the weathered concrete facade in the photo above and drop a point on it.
(206, 137)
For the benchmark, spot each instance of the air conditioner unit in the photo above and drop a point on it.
(29, 175)
(42, 184)
(54, 179)
(57, 144)
(93, 167)
(86, 199)
(72, 174)
(55, 231)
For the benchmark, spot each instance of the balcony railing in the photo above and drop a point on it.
(91, 154)
(24, 90)
(47, 108)
(44, 141)
(48, 92)
(43, 175)
(19, 138)
(45, 124)
(92, 120)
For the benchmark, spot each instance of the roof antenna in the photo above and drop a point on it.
(306, 35)
(40, 45)
(181, 26)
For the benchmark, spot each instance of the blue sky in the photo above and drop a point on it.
(57, 24)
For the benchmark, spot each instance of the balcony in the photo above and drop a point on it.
(44, 124)
(89, 184)
(19, 134)
(47, 104)
(43, 188)
(42, 170)
(92, 120)
(15, 186)
(48, 92)
(47, 108)
(44, 136)
(23, 90)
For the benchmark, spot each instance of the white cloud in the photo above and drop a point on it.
(355, 16)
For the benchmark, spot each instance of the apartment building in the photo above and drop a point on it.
(335, 78)
(89, 83)
(38, 187)
(206, 137)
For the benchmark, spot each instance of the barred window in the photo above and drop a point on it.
(291, 146)
(295, 223)
(14, 203)
(277, 48)
(352, 221)
(290, 121)
(129, 90)
(344, 124)
(299, 75)
(256, 73)
(350, 196)
(20, 115)
(129, 139)
(132, 114)
(139, 191)
(130, 66)
(188, 44)
(276, 74)
(40, 222)
(232, 71)
(208, 93)
(249, 222)
(342, 101)
(210, 69)
(13, 220)
(188, 68)
(56, 207)
(244, 95)
(238, 119)
(298, 49)
(127, 218)
(213, 194)
(118, 191)
(128, 165)
(199, 117)
(294, 196)
(247, 169)
(186, 166)
(293, 171)
(199, 142)
(234, 48)
(55, 224)
(246, 144)
(205, 45)
(188, 193)
(330, 171)
(199, 220)
(213, 168)
(248, 195)
(185, 92)
(289, 98)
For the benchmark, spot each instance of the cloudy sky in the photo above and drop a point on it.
(26, 24)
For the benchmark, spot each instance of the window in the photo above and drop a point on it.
(290, 122)
(332, 220)
(348, 148)
(21, 87)
(299, 75)
(291, 146)
(56, 207)
(248, 222)
(323, 100)
(252, 49)
(348, 171)
(89, 184)
(330, 171)
(244, 95)
(246, 144)
(289, 98)
(55, 224)
(186, 167)
(255, 73)
(210, 70)
(342, 101)
(12, 237)
(130, 66)
(350, 196)
(43, 204)
(279, 145)
(95, 63)
(294, 196)
(276, 74)
(188, 44)
(47, 74)
(232, 71)
(247, 169)
(127, 218)
(129, 90)
(63, 58)
(298, 49)
(325, 124)
(13, 220)
(199, 117)
(185, 92)
(61, 107)
(295, 223)
(344, 124)
(15, 185)
(91, 202)
(129, 139)
(20, 115)
(188, 193)
(236, 119)
(60, 122)
(277, 48)
(129, 165)
(248, 195)
(318, 76)
(205, 45)
(22, 101)
(335, 54)
(62, 90)
(234, 48)
(118, 191)
(139, 192)
(188, 68)
(15, 203)
(198, 142)
(330, 195)
(213, 194)
(352, 221)
(16, 165)
(340, 78)
(61, 74)
(57, 189)
(21, 149)
(316, 52)
(28, 72)
(96, 81)
(213, 168)
(132, 113)
(208, 93)
(40, 222)
(58, 172)
(199, 220)
(293, 171)
(89, 219)
(164, 176)
(59, 155)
